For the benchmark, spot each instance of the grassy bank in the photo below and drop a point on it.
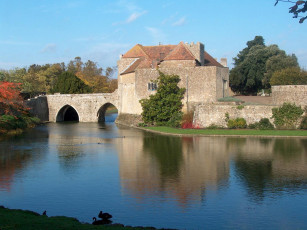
(27, 220)
(225, 132)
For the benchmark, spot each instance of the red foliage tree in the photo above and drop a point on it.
(11, 103)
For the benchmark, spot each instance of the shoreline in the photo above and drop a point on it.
(28, 220)
(242, 135)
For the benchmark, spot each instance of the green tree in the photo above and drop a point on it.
(164, 107)
(289, 76)
(255, 64)
(298, 9)
(68, 83)
(277, 63)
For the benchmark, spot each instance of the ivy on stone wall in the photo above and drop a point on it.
(287, 116)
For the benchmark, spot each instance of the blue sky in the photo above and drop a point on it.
(41, 31)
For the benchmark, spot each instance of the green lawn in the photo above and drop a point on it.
(26, 220)
(239, 132)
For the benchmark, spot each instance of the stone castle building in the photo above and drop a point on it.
(205, 79)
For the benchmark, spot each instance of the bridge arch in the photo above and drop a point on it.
(101, 113)
(67, 113)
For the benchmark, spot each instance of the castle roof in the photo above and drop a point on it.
(151, 56)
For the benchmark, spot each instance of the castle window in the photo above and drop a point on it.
(152, 86)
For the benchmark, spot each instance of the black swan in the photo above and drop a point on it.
(101, 222)
(104, 216)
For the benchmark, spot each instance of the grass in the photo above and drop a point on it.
(26, 220)
(229, 99)
(238, 132)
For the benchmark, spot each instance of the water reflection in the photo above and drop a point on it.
(16, 153)
(185, 167)
(77, 169)
(278, 166)
(179, 167)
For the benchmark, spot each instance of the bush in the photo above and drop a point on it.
(263, 124)
(287, 116)
(304, 123)
(238, 123)
(164, 107)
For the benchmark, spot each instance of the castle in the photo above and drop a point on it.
(205, 79)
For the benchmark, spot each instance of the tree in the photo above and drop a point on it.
(10, 101)
(68, 83)
(255, 64)
(298, 9)
(164, 107)
(289, 76)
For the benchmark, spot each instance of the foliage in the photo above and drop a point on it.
(164, 107)
(287, 116)
(9, 122)
(68, 83)
(298, 9)
(10, 101)
(263, 124)
(229, 99)
(41, 78)
(187, 121)
(289, 76)
(240, 107)
(238, 123)
(255, 64)
(303, 124)
(214, 126)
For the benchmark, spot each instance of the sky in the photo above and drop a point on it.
(53, 31)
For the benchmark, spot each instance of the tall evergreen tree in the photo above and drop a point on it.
(68, 83)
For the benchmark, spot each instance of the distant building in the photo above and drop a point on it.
(205, 79)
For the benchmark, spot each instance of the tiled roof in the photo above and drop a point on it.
(181, 52)
(136, 51)
(210, 61)
(150, 56)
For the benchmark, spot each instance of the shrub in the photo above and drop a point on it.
(238, 123)
(214, 126)
(287, 116)
(164, 107)
(304, 123)
(263, 124)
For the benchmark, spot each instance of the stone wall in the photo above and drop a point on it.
(208, 114)
(204, 84)
(39, 107)
(289, 93)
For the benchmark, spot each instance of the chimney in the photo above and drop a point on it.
(223, 62)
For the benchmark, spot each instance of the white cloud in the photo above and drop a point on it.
(134, 16)
(49, 48)
(180, 22)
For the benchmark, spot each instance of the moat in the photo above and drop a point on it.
(146, 179)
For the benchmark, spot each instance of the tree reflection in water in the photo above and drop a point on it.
(281, 167)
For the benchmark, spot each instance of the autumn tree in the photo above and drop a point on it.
(298, 9)
(10, 101)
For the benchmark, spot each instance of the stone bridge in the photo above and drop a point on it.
(79, 107)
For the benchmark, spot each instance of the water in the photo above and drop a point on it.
(78, 169)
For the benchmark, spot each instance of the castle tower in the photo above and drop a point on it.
(197, 50)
